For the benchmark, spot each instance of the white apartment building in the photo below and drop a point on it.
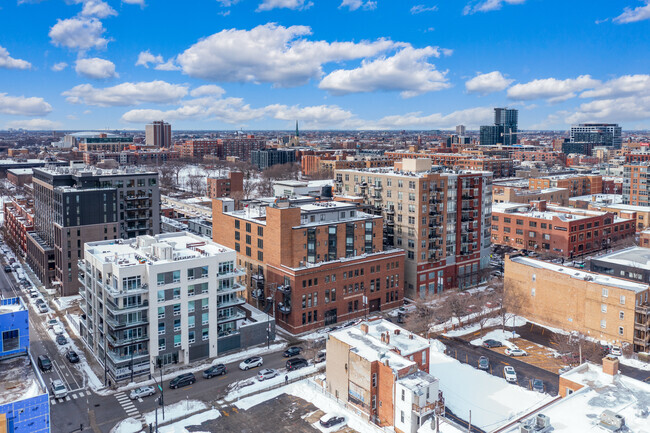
(155, 300)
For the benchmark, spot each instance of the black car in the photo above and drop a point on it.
(8, 269)
(332, 421)
(215, 370)
(61, 340)
(182, 380)
(72, 356)
(488, 344)
(44, 363)
(292, 351)
(296, 363)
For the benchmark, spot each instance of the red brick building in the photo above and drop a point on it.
(321, 263)
(225, 186)
(19, 220)
(540, 155)
(556, 230)
(19, 176)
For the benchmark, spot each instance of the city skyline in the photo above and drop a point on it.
(263, 64)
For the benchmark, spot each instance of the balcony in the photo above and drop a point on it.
(235, 273)
(122, 358)
(115, 309)
(237, 316)
(423, 410)
(115, 324)
(258, 294)
(284, 308)
(233, 289)
(116, 342)
(642, 342)
(138, 290)
(643, 309)
(284, 289)
(137, 217)
(643, 327)
(139, 227)
(232, 302)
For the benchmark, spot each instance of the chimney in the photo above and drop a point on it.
(410, 336)
(364, 328)
(397, 332)
(610, 365)
(387, 337)
(386, 363)
(539, 205)
(383, 338)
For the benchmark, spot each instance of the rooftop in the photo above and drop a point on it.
(20, 171)
(445, 171)
(11, 305)
(18, 380)
(601, 279)
(157, 249)
(637, 257)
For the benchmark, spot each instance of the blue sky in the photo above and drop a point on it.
(331, 64)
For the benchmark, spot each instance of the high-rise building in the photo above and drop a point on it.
(156, 300)
(82, 204)
(314, 263)
(225, 186)
(441, 217)
(266, 158)
(460, 130)
(635, 184)
(505, 128)
(158, 134)
(599, 134)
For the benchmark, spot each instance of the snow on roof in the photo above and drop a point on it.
(418, 381)
(633, 256)
(18, 380)
(12, 307)
(371, 347)
(580, 411)
(601, 279)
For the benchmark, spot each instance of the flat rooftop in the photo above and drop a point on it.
(12, 305)
(18, 380)
(637, 257)
(604, 280)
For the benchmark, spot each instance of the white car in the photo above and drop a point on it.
(59, 389)
(252, 362)
(58, 329)
(143, 391)
(616, 351)
(52, 322)
(266, 373)
(510, 374)
(515, 352)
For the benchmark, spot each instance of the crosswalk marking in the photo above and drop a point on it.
(128, 406)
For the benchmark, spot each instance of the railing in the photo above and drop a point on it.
(114, 324)
(124, 341)
(427, 408)
(119, 358)
(116, 309)
(237, 316)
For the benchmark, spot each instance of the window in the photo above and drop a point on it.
(374, 380)
(177, 340)
(161, 344)
(603, 323)
(161, 312)
(532, 292)
(605, 292)
(603, 308)
(401, 412)
(622, 299)
(424, 358)
(10, 340)
(621, 330)
(191, 337)
(403, 399)
(205, 318)
(161, 328)
(177, 309)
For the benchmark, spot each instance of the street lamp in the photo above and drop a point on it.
(162, 393)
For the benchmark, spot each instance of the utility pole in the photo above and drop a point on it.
(162, 394)
(469, 424)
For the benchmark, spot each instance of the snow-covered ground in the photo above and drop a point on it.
(496, 334)
(129, 425)
(175, 411)
(64, 302)
(636, 363)
(492, 400)
(445, 427)
(248, 386)
(172, 412)
(490, 323)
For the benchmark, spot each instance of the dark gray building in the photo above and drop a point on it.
(505, 128)
(581, 147)
(78, 204)
(631, 263)
(266, 158)
(599, 134)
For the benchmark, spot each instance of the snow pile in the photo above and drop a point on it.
(175, 411)
(194, 420)
(498, 335)
(65, 302)
(445, 427)
(255, 351)
(334, 428)
(635, 363)
(128, 425)
(252, 385)
(490, 323)
(437, 346)
(492, 400)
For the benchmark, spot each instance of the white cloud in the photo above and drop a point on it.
(627, 85)
(22, 106)
(145, 57)
(134, 2)
(418, 9)
(408, 71)
(78, 33)
(96, 68)
(488, 5)
(316, 117)
(126, 94)
(227, 3)
(97, 8)
(353, 5)
(58, 67)
(487, 83)
(208, 90)
(552, 89)
(625, 109)
(169, 65)
(270, 53)
(6, 61)
(268, 5)
(630, 15)
(33, 124)
(471, 117)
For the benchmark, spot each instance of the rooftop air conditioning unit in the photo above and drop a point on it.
(526, 429)
(611, 421)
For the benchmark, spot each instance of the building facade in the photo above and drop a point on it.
(156, 300)
(440, 217)
(225, 186)
(313, 264)
(158, 134)
(576, 184)
(266, 158)
(18, 223)
(556, 230)
(505, 128)
(635, 184)
(82, 204)
(600, 134)
(599, 306)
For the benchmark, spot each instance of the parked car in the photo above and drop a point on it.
(564, 369)
(42, 308)
(488, 344)
(50, 323)
(182, 380)
(320, 356)
(33, 293)
(61, 340)
(57, 329)
(515, 352)
(615, 351)
(331, 420)
(266, 373)
(255, 361)
(72, 356)
(143, 391)
(8, 268)
(296, 363)
(292, 351)
(59, 389)
(44, 363)
(510, 374)
(215, 370)
(483, 363)
(537, 385)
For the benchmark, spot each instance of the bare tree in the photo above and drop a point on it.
(196, 183)
(577, 348)
(425, 314)
(249, 187)
(456, 304)
(510, 302)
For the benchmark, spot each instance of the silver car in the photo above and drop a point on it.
(143, 391)
(59, 389)
(266, 373)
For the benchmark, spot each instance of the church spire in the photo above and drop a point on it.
(297, 133)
